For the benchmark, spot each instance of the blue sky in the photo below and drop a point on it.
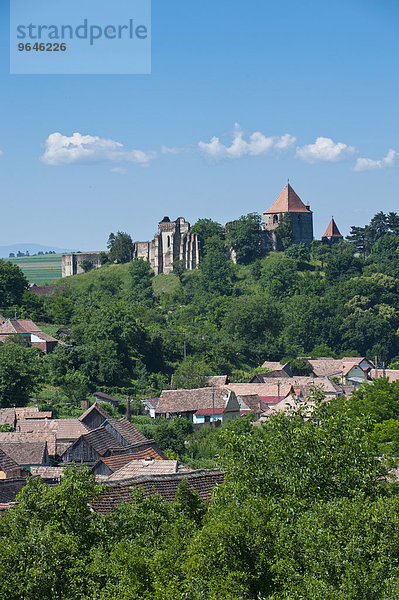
(306, 90)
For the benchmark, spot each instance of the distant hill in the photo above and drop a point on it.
(32, 249)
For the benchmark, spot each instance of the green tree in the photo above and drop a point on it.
(120, 247)
(140, 282)
(244, 237)
(215, 268)
(20, 373)
(87, 265)
(172, 435)
(191, 373)
(103, 258)
(76, 385)
(62, 309)
(13, 283)
(284, 232)
(206, 229)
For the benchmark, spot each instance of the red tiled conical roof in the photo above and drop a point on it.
(288, 201)
(332, 230)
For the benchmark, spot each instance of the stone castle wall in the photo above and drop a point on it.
(71, 262)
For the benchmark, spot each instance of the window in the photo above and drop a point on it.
(275, 219)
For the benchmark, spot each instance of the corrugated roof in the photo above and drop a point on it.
(287, 201)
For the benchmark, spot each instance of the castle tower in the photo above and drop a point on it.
(289, 203)
(332, 233)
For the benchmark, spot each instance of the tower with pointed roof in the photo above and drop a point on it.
(301, 217)
(332, 233)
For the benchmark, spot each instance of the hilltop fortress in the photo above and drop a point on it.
(175, 242)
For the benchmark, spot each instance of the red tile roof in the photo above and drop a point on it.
(120, 460)
(210, 411)
(128, 431)
(64, 429)
(94, 407)
(202, 482)
(288, 201)
(25, 453)
(332, 230)
(7, 464)
(179, 401)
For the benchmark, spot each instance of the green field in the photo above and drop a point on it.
(40, 269)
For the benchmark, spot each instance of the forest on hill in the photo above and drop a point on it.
(309, 507)
(130, 330)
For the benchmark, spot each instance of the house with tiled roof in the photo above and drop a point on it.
(8, 417)
(137, 468)
(349, 370)
(94, 416)
(9, 468)
(29, 333)
(268, 392)
(107, 465)
(123, 431)
(390, 374)
(203, 482)
(90, 447)
(107, 399)
(33, 436)
(200, 405)
(27, 454)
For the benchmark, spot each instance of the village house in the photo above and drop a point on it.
(29, 333)
(94, 416)
(138, 468)
(9, 468)
(390, 374)
(203, 482)
(65, 431)
(27, 454)
(105, 398)
(90, 447)
(147, 451)
(201, 405)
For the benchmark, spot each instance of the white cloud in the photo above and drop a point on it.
(367, 164)
(167, 150)
(119, 170)
(89, 149)
(1, 153)
(324, 149)
(256, 145)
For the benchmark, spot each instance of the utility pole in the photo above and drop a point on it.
(213, 405)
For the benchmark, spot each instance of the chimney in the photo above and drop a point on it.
(128, 411)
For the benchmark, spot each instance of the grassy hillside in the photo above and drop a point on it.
(40, 269)
(109, 273)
